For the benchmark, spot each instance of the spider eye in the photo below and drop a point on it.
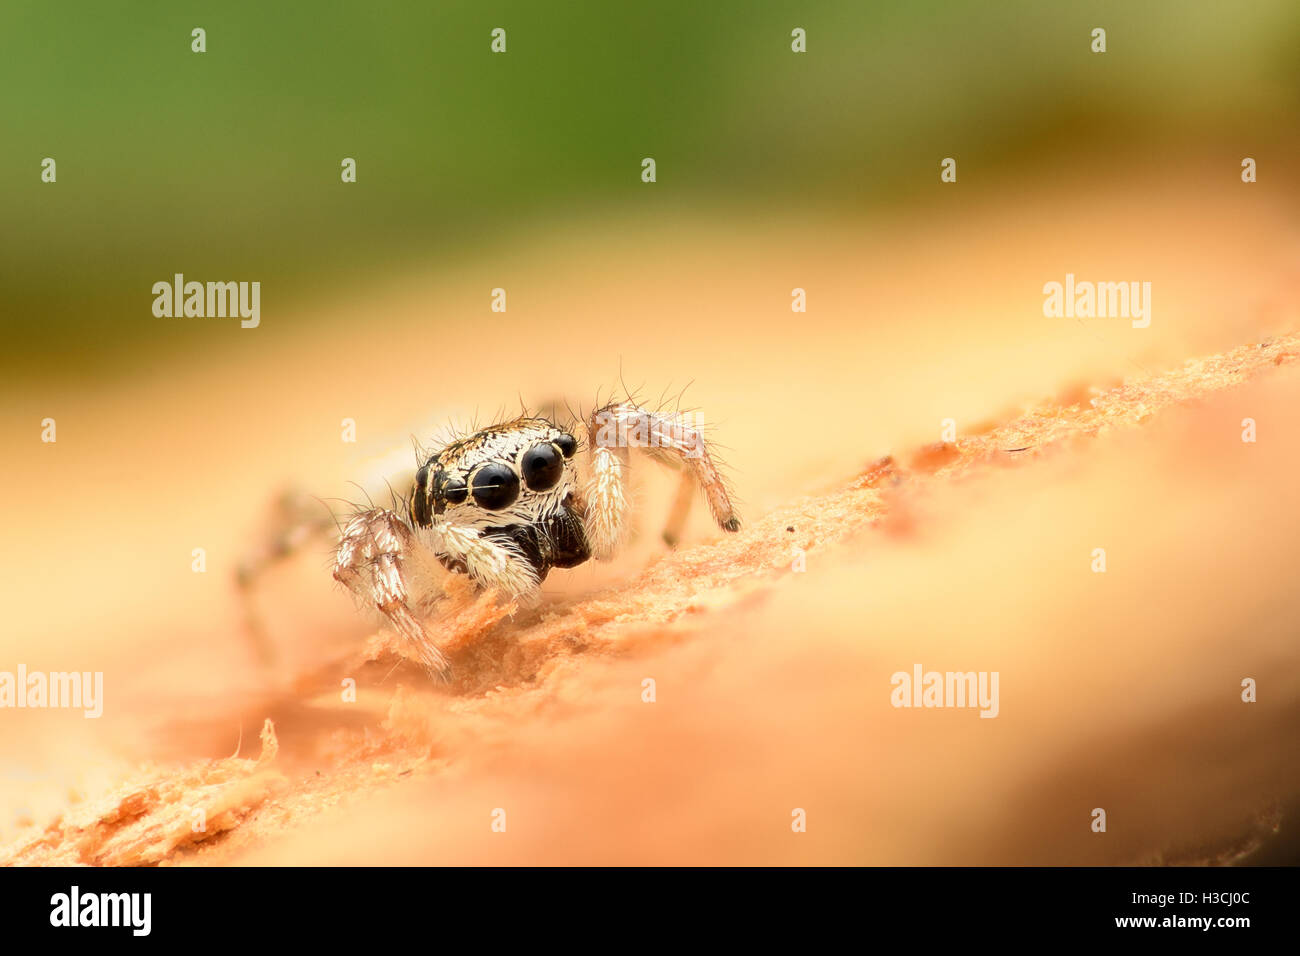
(495, 487)
(448, 488)
(542, 467)
(567, 444)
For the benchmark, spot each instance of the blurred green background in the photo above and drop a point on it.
(225, 165)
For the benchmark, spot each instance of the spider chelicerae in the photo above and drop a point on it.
(507, 504)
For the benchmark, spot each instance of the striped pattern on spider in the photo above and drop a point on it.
(507, 504)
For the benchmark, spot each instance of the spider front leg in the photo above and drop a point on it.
(668, 437)
(373, 556)
(606, 500)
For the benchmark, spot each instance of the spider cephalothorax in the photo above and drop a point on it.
(506, 504)
(516, 484)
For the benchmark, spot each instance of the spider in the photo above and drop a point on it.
(507, 504)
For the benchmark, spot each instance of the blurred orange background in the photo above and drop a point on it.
(924, 304)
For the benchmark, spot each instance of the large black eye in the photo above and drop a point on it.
(495, 487)
(447, 489)
(568, 444)
(542, 467)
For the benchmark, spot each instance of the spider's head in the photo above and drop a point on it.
(515, 480)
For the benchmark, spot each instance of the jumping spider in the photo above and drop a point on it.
(506, 504)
